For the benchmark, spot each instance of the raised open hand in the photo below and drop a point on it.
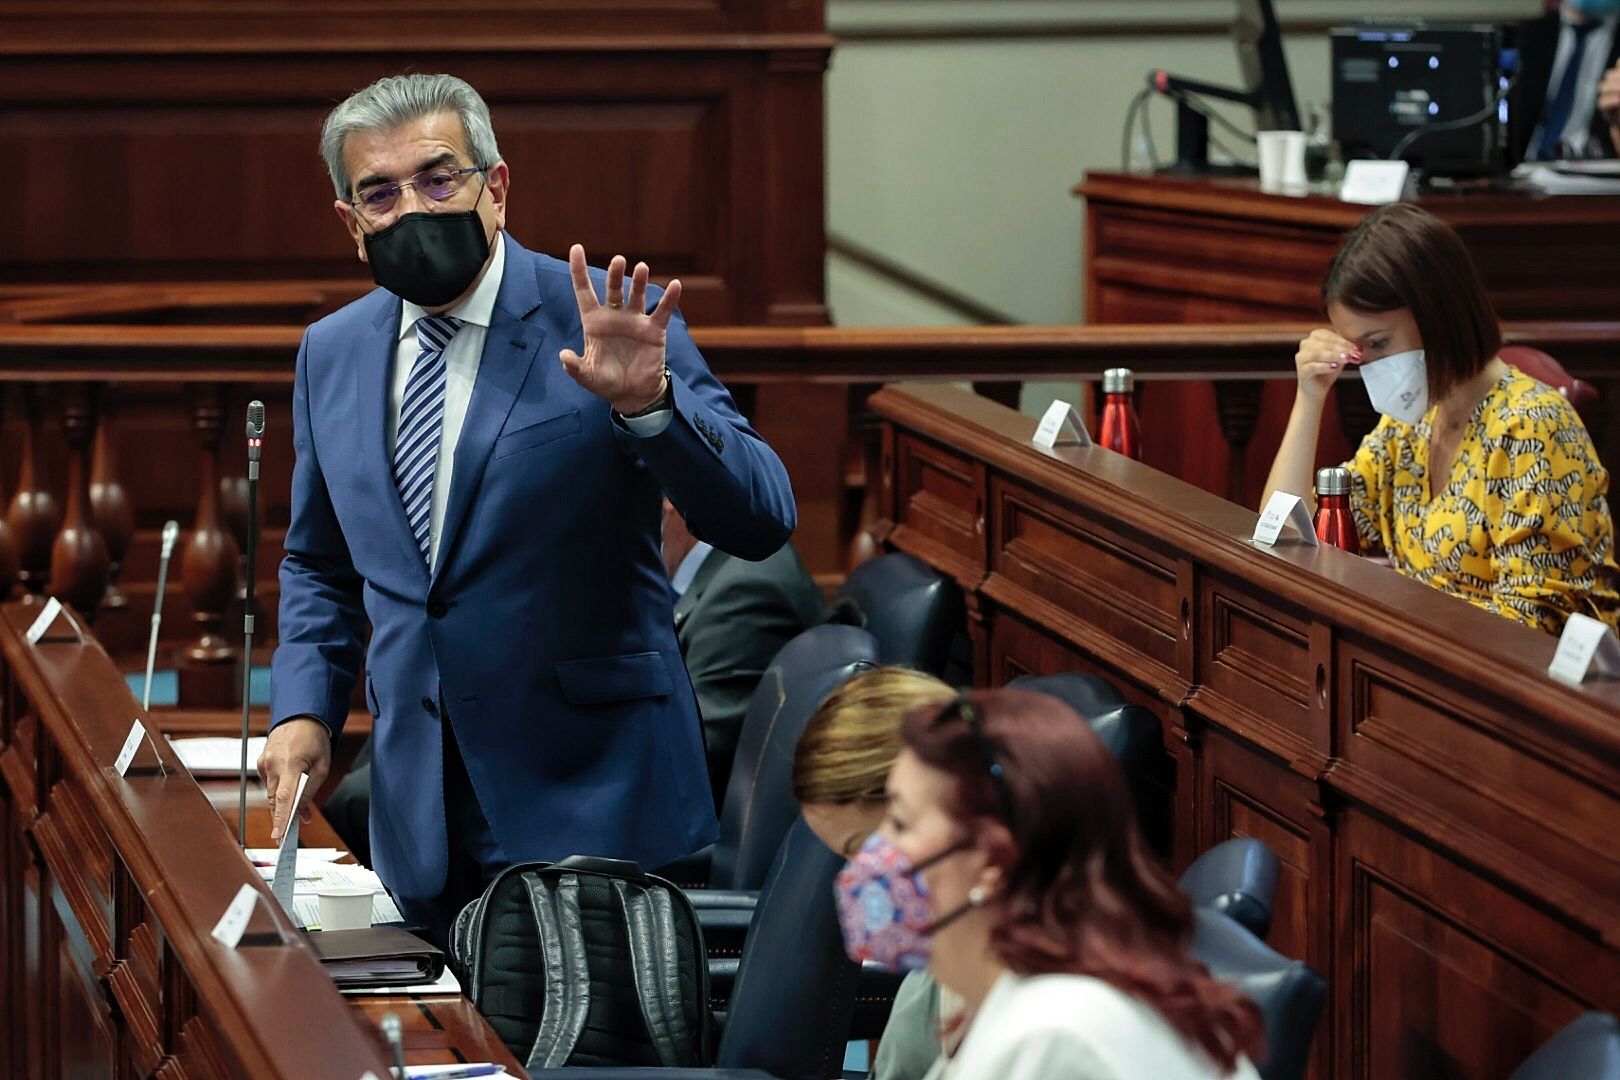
(624, 344)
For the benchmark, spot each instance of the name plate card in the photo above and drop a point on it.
(1586, 646)
(1285, 509)
(132, 745)
(46, 619)
(1374, 183)
(1061, 426)
(234, 923)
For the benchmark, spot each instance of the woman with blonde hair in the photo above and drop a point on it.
(840, 771)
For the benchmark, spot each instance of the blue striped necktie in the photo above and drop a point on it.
(421, 419)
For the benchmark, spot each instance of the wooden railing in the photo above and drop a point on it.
(1441, 807)
(150, 415)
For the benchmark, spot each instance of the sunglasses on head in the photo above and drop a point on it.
(963, 707)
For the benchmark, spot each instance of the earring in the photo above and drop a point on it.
(976, 896)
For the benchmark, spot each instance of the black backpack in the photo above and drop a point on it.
(587, 962)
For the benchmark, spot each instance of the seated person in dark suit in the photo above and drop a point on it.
(1568, 58)
(348, 808)
(731, 618)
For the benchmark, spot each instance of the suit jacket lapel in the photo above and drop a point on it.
(373, 386)
(510, 347)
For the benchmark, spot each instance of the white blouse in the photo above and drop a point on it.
(1074, 1027)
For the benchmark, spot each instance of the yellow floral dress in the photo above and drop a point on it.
(1521, 527)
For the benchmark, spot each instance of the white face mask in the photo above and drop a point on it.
(1398, 385)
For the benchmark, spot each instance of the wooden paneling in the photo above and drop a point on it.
(1200, 250)
(183, 145)
(1441, 808)
(111, 886)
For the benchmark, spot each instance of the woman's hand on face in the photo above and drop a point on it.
(1321, 358)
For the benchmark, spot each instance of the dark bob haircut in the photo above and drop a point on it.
(1404, 257)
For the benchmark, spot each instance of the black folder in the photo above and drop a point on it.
(377, 956)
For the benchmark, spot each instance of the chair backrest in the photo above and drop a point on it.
(1237, 877)
(759, 805)
(1587, 1047)
(1129, 731)
(1542, 367)
(1289, 993)
(795, 989)
(914, 611)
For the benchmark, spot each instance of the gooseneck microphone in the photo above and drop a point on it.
(171, 532)
(255, 443)
(391, 1033)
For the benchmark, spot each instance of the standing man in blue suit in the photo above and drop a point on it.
(482, 444)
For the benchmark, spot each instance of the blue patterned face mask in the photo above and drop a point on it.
(884, 908)
(1398, 385)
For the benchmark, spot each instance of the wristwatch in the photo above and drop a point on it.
(660, 402)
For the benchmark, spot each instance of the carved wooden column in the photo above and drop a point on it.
(208, 569)
(79, 562)
(1237, 404)
(34, 515)
(110, 508)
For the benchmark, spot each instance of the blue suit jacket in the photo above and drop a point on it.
(546, 627)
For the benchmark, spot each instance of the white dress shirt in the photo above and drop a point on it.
(690, 564)
(1073, 1027)
(1577, 133)
(461, 359)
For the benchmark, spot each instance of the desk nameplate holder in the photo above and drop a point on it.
(138, 735)
(44, 627)
(1284, 509)
(1586, 647)
(1061, 426)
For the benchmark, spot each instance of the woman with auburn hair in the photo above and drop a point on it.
(840, 769)
(1010, 864)
(1478, 480)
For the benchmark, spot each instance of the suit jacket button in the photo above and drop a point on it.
(437, 609)
(429, 707)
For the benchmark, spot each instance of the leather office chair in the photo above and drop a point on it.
(1238, 878)
(1130, 732)
(1587, 1047)
(914, 612)
(759, 807)
(1542, 367)
(794, 985)
(1289, 993)
(759, 803)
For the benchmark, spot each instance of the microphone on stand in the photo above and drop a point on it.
(391, 1032)
(171, 532)
(255, 443)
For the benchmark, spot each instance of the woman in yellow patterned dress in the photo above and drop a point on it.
(1478, 479)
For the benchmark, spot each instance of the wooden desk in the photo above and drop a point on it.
(1443, 811)
(109, 888)
(1161, 249)
(438, 1029)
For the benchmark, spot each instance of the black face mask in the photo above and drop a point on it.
(426, 258)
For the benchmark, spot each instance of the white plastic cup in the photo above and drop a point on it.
(1282, 160)
(345, 907)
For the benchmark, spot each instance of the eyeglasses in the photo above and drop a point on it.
(438, 183)
(998, 774)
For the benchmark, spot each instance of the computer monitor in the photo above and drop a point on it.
(1265, 69)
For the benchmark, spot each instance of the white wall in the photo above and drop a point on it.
(955, 158)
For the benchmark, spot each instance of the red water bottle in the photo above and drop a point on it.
(1334, 523)
(1119, 430)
